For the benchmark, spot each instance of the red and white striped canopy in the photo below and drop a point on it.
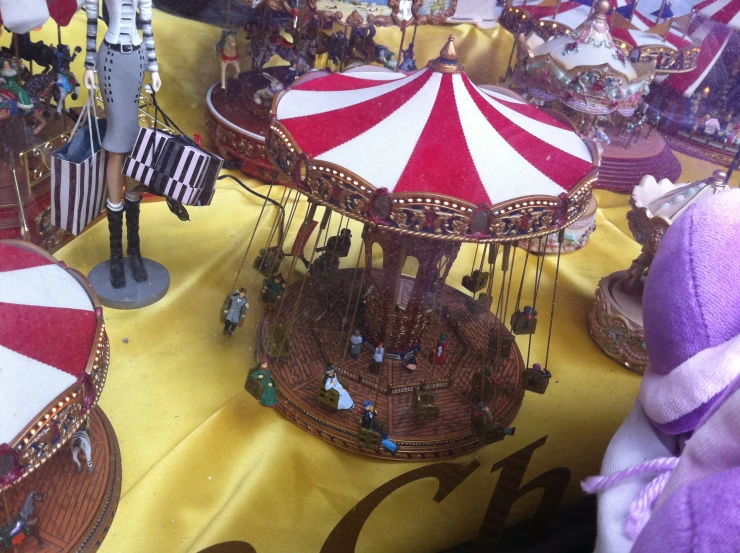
(726, 12)
(714, 38)
(435, 133)
(47, 332)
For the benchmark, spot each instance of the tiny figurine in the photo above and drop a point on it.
(536, 379)
(441, 354)
(24, 524)
(268, 261)
(388, 445)
(377, 363)
(269, 395)
(484, 412)
(229, 54)
(409, 63)
(9, 81)
(264, 96)
(524, 322)
(410, 363)
(234, 311)
(368, 415)
(81, 442)
(273, 288)
(331, 382)
(356, 348)
(338, 245)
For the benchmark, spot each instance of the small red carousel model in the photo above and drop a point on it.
(426, 162)
(54, 355)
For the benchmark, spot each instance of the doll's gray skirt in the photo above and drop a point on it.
(121, 76)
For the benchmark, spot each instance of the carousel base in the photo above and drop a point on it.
(627, 159)
(319, 339)
(615, 322)
(79, 506)
(135, 294)
(238, 126)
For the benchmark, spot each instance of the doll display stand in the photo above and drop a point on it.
(135, 294)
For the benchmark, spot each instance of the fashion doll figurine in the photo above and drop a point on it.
(120, 62)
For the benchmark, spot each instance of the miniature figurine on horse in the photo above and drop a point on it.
(16, 100)
(229, 54)
(43, 55)
(25, 524)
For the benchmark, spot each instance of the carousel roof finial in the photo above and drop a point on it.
(601, 8)
(447, 60)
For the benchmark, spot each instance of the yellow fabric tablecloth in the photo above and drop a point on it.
(203, 463)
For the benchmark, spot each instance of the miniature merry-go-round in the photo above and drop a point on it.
(306, 35)
(60, 467)
(371, 349)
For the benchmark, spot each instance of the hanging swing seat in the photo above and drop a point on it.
(482, 388)
(475, 281)
(330, 397)
(423, 402)
(499, 344)
(486, 430)
(254, 386)
(480, 305)
(523, 323)
(278, 341)
(370, 438)
(268, 261)
(535, 381)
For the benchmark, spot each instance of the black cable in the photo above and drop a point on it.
(274, 202)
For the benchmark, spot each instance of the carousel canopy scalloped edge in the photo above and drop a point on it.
(422, 214)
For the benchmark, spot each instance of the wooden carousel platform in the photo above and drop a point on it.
(79, 506)
(238, 125)
(319, 339)
(627, 159)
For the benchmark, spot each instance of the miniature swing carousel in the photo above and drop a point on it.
(54, 354)
(615, 320)
(379, 360)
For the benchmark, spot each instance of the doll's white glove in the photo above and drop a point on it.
(89, 79)
(156, 81)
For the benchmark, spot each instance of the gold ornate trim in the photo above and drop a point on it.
(621, 338)
(68, 411)
(425, 214)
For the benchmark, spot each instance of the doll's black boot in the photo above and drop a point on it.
(115, 228)
(133, 249)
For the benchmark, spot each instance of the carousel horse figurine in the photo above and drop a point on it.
(41, 54)
(332, 45)
(66, 85)
(298, 57)
(81, 442)
(262, 43)
(26, 523)
(229, 55)
(408, 63)
(264, 96)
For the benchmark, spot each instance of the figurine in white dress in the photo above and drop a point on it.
(332, 382)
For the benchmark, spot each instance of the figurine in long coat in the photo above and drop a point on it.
(238, 305)
(356, 347)
(377, 363)
(269, 395)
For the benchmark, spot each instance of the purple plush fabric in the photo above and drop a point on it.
(700, 517)
(692, 297)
